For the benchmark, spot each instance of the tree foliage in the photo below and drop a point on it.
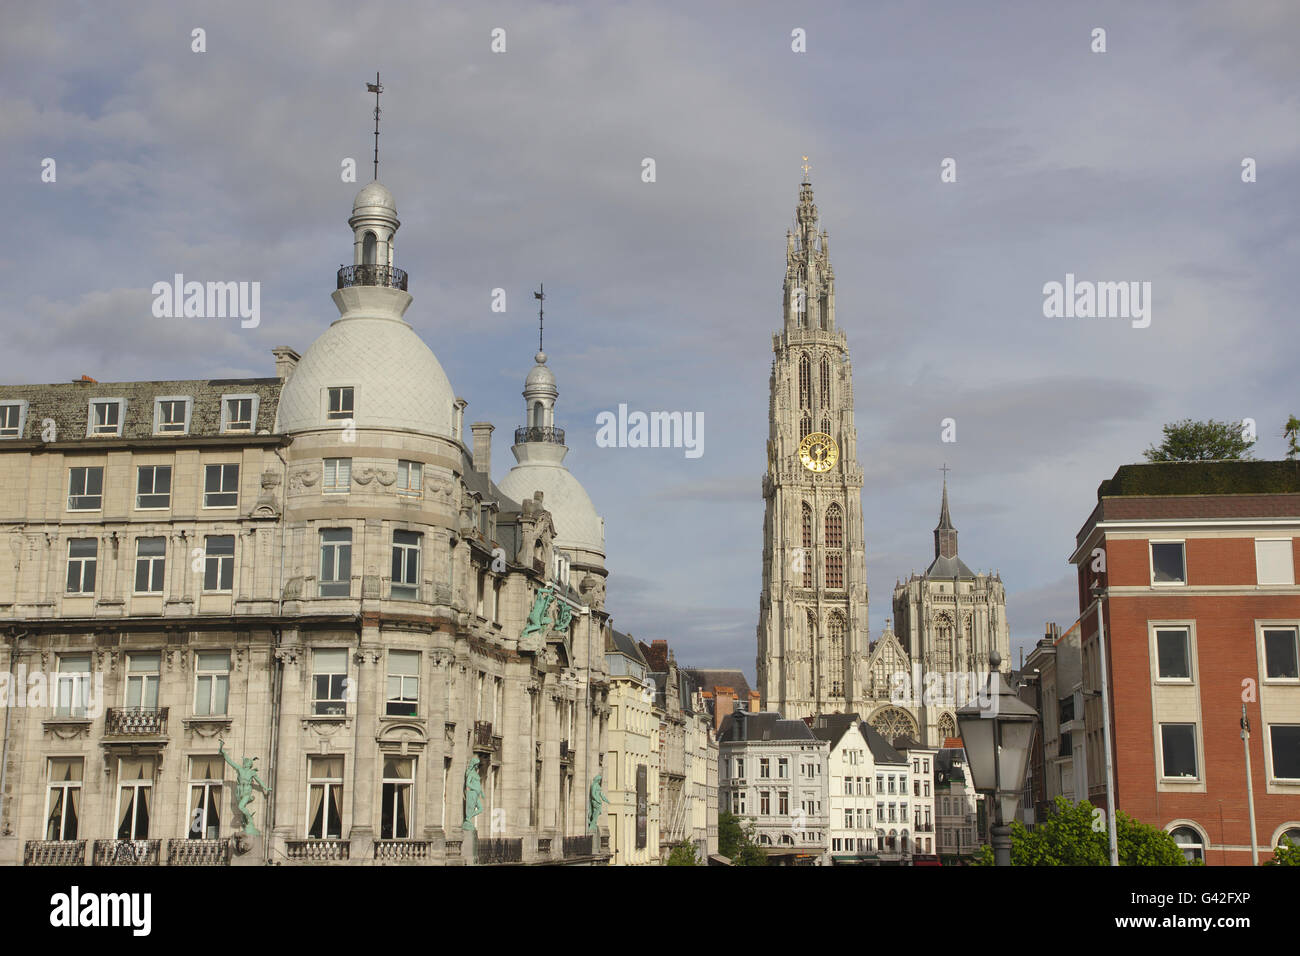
(684, 854)
(1070, 836)
(1286, 854)
(1202, 441)
(736, 840)
(1291, 432)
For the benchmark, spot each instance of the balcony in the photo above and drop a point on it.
(127, 852)
(576, 846)
(402, 851)
(135, 722)
(198, 852)
(546, 433)
(484, 739)
(565, 752)
(496, 851)
(54, 853)
(317, 851)
(388, 277)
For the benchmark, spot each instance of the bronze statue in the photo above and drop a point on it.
(245, 777)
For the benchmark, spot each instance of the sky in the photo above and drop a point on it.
(525, 166)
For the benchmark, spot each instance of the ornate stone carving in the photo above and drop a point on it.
(302, 479)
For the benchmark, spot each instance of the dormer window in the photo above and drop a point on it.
(341, 404)
(13, 416)
(171, 415)
(105, 417)
(238, 413)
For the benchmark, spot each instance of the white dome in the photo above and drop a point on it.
(576, 523)
(374, 195)
(398, 381)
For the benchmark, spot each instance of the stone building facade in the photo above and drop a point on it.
(315, 570)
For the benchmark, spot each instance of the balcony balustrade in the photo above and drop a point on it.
(389, 277)
(54, 853)
(135, 722)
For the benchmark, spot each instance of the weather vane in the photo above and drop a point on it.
(540, 296)
(806, 167)
(945, 469)
(377, 88)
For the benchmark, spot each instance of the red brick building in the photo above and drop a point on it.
(1194, 566)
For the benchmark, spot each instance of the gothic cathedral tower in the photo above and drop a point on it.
(812, 624)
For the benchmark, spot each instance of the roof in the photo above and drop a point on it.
(742, 725)
(833, 727)
(623, 644)
(68, 405)
(707, 678)
(881, 751)
(953, 567)
(1203, 478)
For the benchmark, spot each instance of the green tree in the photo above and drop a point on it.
(1069, 836)
(1286, 854)
(736, 840)
(684, 854)
(1292, 435)
(1202, 441)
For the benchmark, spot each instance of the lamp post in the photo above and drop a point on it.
(996, 730)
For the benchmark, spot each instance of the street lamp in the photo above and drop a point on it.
(996, 730)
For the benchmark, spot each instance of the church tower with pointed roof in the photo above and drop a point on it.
(949, 618)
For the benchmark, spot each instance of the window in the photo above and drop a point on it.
(783, 768)
(403, 684)
(335, 562)
(1284, 740)
(105, 417)
(1189, 841)
(171, 415)
(740, 768)
(338, 475)
(142, 675)
(63, 798)
(738, 801)
(329, 681)
(764, 767)
(406, 565)
(86, 488)
(1168, 563)
(806, 558)
(1172, 653)
(325, 798)
(409, 478)
(1178, 744)
(221, 486)
(1280, 653)
(1273, 561)
(880, 783)
(805, 381)
(82, 554)
(73, 686)
(783, 802)
(212, 684)
(765, 802)
(153, 486)
(219, 562)
(238, 413)
(150, 565)
(340, 404)
(13, 417)
(848, 819)
(134, 797)
(399, 787)
(206, 779)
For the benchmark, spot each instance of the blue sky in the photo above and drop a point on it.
(515, 168)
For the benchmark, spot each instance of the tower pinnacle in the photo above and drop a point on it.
(945, 535)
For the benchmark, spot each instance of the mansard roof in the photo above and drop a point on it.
(742, 725)
(953, 567)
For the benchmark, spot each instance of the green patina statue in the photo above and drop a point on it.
(245, 777)
(540, 621)
(473, 794)
(597, 798)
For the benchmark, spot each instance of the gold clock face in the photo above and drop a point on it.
(818, 452)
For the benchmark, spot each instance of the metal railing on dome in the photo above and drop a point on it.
(388, 276)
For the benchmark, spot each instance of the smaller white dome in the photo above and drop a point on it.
(374, 196)
(540, 375)
(577, 525)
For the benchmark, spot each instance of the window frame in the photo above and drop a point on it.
(143, 677)
(223, 465)
(91, 431)
(1261, 630)
(84, 562)
(1290, 554)
(153, 560)
(52, 785)
(209, 801)
(78, 682)
(1151, 558)
(323, 706)
(21, 428)
(329, 487)
(409, 591)
(1189, 654)
(341, 415)
(154, 493)
(1196, 751)
(1272, 763)
(201, 673)
(255, 401)
(209, 556)
(85, 485)
(136, 786)
(397, 784)
(406, 489)
(158, 429)
(342, 586)
(401, 700)
(327, 783)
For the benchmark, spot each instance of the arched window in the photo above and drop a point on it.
(1292, 834)
(539, 415)
(806, 665)
(826, 381)
(805, 427)
(834, 547)
(824, 311)
(807, 557)
(826, 427)
(1189, 841)
(805, 381)
(836, 661)
(947, 728)
(368, 247)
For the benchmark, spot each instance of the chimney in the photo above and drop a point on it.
(87, 380)
(286, 360)
(458, 424)
(483, 447)
(724, 704)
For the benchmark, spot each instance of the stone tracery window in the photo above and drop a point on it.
(836, 661)
(834, 547)
(826, 382)
(807, 556)
(805, 381)
(892, 722)
(947, 727)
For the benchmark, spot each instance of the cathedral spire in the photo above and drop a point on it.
(945, 535)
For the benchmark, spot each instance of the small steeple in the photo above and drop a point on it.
(945, 535)
(540, 394)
